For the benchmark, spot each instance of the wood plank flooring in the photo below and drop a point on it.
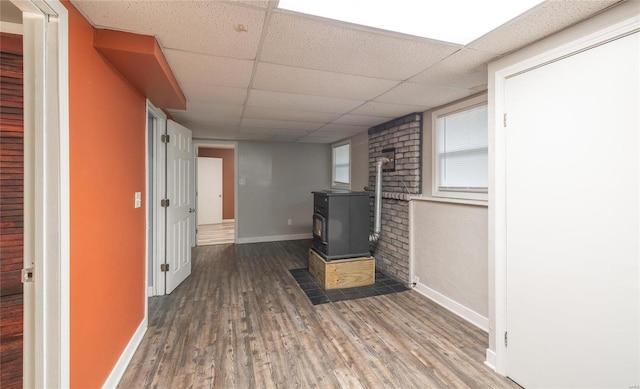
(219, 233)
(241, 321)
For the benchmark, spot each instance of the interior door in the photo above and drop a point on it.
(180, 183)
(572, 220)
(209, 190)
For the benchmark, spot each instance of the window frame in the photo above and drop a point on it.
(435, 164)
(334, 184)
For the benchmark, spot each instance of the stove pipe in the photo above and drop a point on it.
(373, 237)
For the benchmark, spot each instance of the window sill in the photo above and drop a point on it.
(481, 203)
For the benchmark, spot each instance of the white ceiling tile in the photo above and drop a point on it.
(423, 95)
(203, 117)
(286, 114)
(275, 124)
(317, 80)
(281, 78)
(200, 26)
(315, 44)
(275, 131)
(359, 120)
(375, 108)
(321, 138)
(202, 93)
(464, 69)
(267, 99)
(342, 129)
(233, 110)
(543, 20)
(200, 131)
(207, 69)
(254, 3)
(285, 138)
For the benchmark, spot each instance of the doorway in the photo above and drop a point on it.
(41, 232)
(216, 194)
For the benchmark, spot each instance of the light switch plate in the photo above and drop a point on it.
(137, 202)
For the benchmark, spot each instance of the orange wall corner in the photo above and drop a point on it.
(107, 124)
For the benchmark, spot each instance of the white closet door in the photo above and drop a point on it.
(572, 178)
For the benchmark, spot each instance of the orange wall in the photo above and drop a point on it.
(107, 165)
(228, 177)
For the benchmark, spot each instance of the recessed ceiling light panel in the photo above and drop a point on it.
(455, 21)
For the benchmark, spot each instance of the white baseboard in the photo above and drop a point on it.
(273, 238)
(228, 220)
(469, 315)
(150, 291)
(490, 359)
(125, 358)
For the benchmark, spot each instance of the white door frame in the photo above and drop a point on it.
(156, 232)
(217, 144)
(497, 165)
(46, 125)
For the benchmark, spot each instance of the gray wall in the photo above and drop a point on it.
(359, 161)
(275, 181)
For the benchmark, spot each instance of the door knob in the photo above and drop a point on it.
(192, 210)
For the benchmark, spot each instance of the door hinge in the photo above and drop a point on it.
(164, 267)
(164, 203)
(504, 120)
(27, 275)
(165, 138)
(505, 339)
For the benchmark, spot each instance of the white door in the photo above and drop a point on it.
(572, 224)
(180, 175)
(209, 190)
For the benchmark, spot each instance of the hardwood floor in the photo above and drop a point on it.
(219, 233)
(241, 321)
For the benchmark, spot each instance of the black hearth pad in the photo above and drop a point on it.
(317, 295)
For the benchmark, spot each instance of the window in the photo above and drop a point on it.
(340, 165)
(460, 150)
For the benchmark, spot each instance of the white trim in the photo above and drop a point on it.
(448, 200)
(223, 145)
(228, 220)
(120, 367)
(45, 33)
(466, 313)
(490, 359)
(11, 28)
(158, 171)
(412, 281)
(149, 294)
(335, 185)
(462, 105)
(273, 238)
(497, 160)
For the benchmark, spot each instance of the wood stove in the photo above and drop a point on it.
(340, 224)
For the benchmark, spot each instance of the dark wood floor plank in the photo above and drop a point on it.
(241, 321)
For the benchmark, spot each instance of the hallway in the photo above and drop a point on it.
(241, 321)
(220, 233)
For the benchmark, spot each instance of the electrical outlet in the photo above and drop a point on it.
(137, 200)
(289, 221)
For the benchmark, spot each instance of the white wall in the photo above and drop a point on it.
(275, 181)
(449, 246)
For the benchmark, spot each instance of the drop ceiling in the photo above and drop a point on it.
(250, 71)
